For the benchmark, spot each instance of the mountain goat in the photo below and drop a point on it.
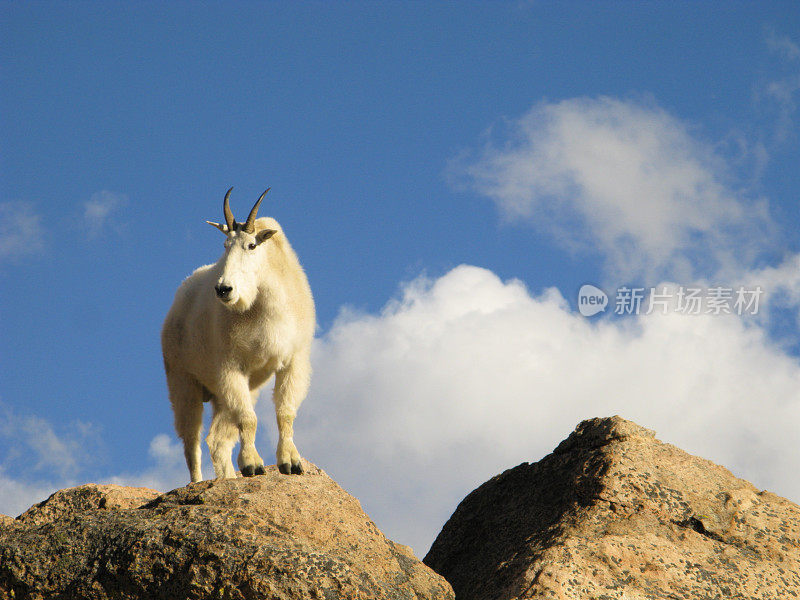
(232, 326)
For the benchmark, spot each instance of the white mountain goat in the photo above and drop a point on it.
(231, 327)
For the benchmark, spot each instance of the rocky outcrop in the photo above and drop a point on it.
(86, 497)
(613, 513)
(273, 536)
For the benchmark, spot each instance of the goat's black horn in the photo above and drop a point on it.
(226, 208)
(250, 224)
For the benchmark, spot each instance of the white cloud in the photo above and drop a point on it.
(168, 472)
(97, 211)
(21, 231)
(50, 459)
(17, 496)
(466, 375)
(34, 441)
(625, 179)
(56, 462)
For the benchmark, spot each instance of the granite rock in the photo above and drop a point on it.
(615, 514)
(272, 536)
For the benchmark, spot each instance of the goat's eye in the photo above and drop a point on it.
(251, 246)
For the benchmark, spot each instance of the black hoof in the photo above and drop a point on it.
(285, 468)
(297, 468)
(260, 470)
(248, 471)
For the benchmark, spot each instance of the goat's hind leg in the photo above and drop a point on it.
(186, 397)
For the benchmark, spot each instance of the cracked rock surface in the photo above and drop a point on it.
(615, 514)
(273, 536)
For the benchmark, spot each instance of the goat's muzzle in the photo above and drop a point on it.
(223, 291)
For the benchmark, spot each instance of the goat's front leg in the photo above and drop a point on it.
(291, 386)
(221, 439)
(242, 414)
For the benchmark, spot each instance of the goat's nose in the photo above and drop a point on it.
(223, 291)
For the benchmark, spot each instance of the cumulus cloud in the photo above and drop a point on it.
(98, 210)
(168, 470)
(21, 231)
(467, 375)
(624, 178)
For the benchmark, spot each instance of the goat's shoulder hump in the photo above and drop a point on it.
(267, 223)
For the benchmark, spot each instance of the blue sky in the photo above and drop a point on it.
(450, 175)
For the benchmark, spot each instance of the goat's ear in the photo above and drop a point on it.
(223, 228)
(265, 234)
